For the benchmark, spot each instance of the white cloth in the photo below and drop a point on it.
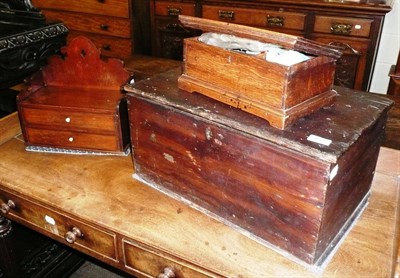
(274, 53)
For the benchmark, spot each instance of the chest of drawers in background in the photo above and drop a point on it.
(167, 32)
(107, 23)
(353, 27)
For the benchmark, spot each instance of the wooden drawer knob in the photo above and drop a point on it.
(6, 207)
(106, 47)
(168, 273)
(104, 27)
(71, 236)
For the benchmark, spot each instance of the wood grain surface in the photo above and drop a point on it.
(9, 126)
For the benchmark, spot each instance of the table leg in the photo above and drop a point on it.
(8, 262)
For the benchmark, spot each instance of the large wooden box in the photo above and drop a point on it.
(281, 94)
(75, 104)
(296, 190)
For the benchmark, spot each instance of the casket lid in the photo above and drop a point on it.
(284, 40)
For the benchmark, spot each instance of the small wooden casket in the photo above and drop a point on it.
(75, 104)
(296, 190)
(281, 94)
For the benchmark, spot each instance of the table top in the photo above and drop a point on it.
(101, 190)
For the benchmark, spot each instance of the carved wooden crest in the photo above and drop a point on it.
(80, 65)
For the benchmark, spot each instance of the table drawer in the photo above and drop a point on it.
(69, 120)
(79, 235)
(256, 17)
(173, 9)
(357, 27)
(72, 140)
(118, 8)
(112, 26)
(150, 263)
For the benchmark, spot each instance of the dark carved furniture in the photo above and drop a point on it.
(30, 254)
(26, 40)
(352, 26)
(392, 138)
(394, 83)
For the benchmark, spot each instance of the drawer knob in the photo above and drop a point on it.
(71, 139)
(341, 28)
(168, 273)
(6, 207)
(106, 47)
(71, 236)
(226, 15)
(104, 27)
(275, 21)
(68, 119)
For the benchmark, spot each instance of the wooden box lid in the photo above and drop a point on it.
(325, 134)
(262, 35)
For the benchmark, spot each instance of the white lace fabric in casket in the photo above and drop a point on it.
(274, 53)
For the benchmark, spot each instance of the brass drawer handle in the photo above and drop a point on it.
(341, 28)
(226, 15)
(71, 236)
(275, 21)
(168, 273)
(6, 207)
(173, 11)
(104, 27)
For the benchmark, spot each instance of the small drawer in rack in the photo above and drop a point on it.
(174, 9)
(357, 27)
(73, 140)
(150, 263)
(68, 120)
(45, 220)
(256, 17)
